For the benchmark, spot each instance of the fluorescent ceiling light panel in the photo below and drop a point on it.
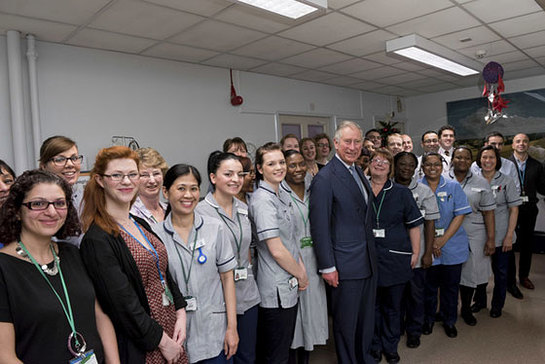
(422, 50)
(293, 9)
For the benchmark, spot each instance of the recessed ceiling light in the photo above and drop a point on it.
(293, 9)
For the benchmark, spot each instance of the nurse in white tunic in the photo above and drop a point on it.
(311, 327)
(201, 261)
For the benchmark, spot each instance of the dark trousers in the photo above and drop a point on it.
(446, 280)
(353, 305)
(247, 334)
(220, 359)
(526, 224)
(500, 267)
(275, 328)
(414, 302)
(299, 356)
(388, 318)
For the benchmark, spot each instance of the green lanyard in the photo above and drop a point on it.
(305, 221)
(186, 277)
(67, 312)
(238, 243)
(379, 208)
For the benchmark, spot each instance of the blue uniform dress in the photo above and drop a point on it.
(396, 212)
(446, 270)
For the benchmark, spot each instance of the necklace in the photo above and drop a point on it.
(52, 271)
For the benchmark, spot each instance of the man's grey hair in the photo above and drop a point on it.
(346, 124)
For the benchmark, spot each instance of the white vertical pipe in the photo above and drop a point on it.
(32, 55)
(16, 101)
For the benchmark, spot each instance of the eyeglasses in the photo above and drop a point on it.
(61, 161)
(322, 145)
(155, 175)
(41, 205)
(117, 177)
(380, 162)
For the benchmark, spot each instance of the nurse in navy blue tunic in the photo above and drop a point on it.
(397, 239)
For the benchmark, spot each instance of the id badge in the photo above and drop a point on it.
(306, 241)
(525, 199)
(166, 296)
(191, 303)
(293, 283)
(379, 233)
(439, 232)
(88, 357)
(241, 274)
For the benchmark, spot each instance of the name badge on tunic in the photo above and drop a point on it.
(439, 232)
(241, 274)
(306, 241)
(85, 358)
(293, 283)
(525, 198)
(379, 233)
(476, 189)
(191, 303)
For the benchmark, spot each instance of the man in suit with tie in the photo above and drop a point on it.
(342, 232)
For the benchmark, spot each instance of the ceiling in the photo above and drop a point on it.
(343, 46)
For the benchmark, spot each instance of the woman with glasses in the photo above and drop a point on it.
(226, 175)
(48, 309)
(323, 149)
(148, 204)
(479, 227)
(397, 240)
(7, 178)
(128, 264)
(450, 246)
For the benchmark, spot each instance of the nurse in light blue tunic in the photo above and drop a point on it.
(226, 178)
(479, 227)
(450, 246)
(201, 261)
(311, 327)
(281, 272)
(506, 213)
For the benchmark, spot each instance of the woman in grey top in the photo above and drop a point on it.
(506, 214)
(281, 272)
(479, 227)
(201, 261)
(226, 177)
(311, 327)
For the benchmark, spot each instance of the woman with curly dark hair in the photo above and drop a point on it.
(57, 320)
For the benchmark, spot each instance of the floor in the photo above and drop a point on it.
(518, 336)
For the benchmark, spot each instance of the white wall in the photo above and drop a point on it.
(181, 109)
(429, 112)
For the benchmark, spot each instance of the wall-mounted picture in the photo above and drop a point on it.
(525, 114)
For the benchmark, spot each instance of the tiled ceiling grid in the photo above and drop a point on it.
(343, 46)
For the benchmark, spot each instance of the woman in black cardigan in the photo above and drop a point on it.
(128, 265)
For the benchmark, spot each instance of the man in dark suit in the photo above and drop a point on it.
(341, 228)
(532, 180)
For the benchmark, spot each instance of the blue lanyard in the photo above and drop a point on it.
(522, 174)
(152, 251)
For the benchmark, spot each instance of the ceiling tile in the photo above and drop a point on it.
(491, 49)
(439, 74)
(316, 58)
(232, 61)
(278, 69)
(477, 35)
(436, 88)
(179, 52)
(410, 66)
(144, 20)
(383, 13)
(327, 29)
(42, 29)
(337, 4)
(377, 73)
(520, 25)
(273, 48)
(528, 72)
(343, 81)
(367, 85)
(65, 11)
(315, 76)
(389, 90)
(529, 40)
(360, 45)
(401, 78)
(381, 57)
(505, 57)
(351, 66)
(541, 60)
(248, 17)
(518, 65)
(200, 7)
(436, 24)
(216, 36)
(536, 51)
(420, 83)
(94, 38)
(494, 10)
